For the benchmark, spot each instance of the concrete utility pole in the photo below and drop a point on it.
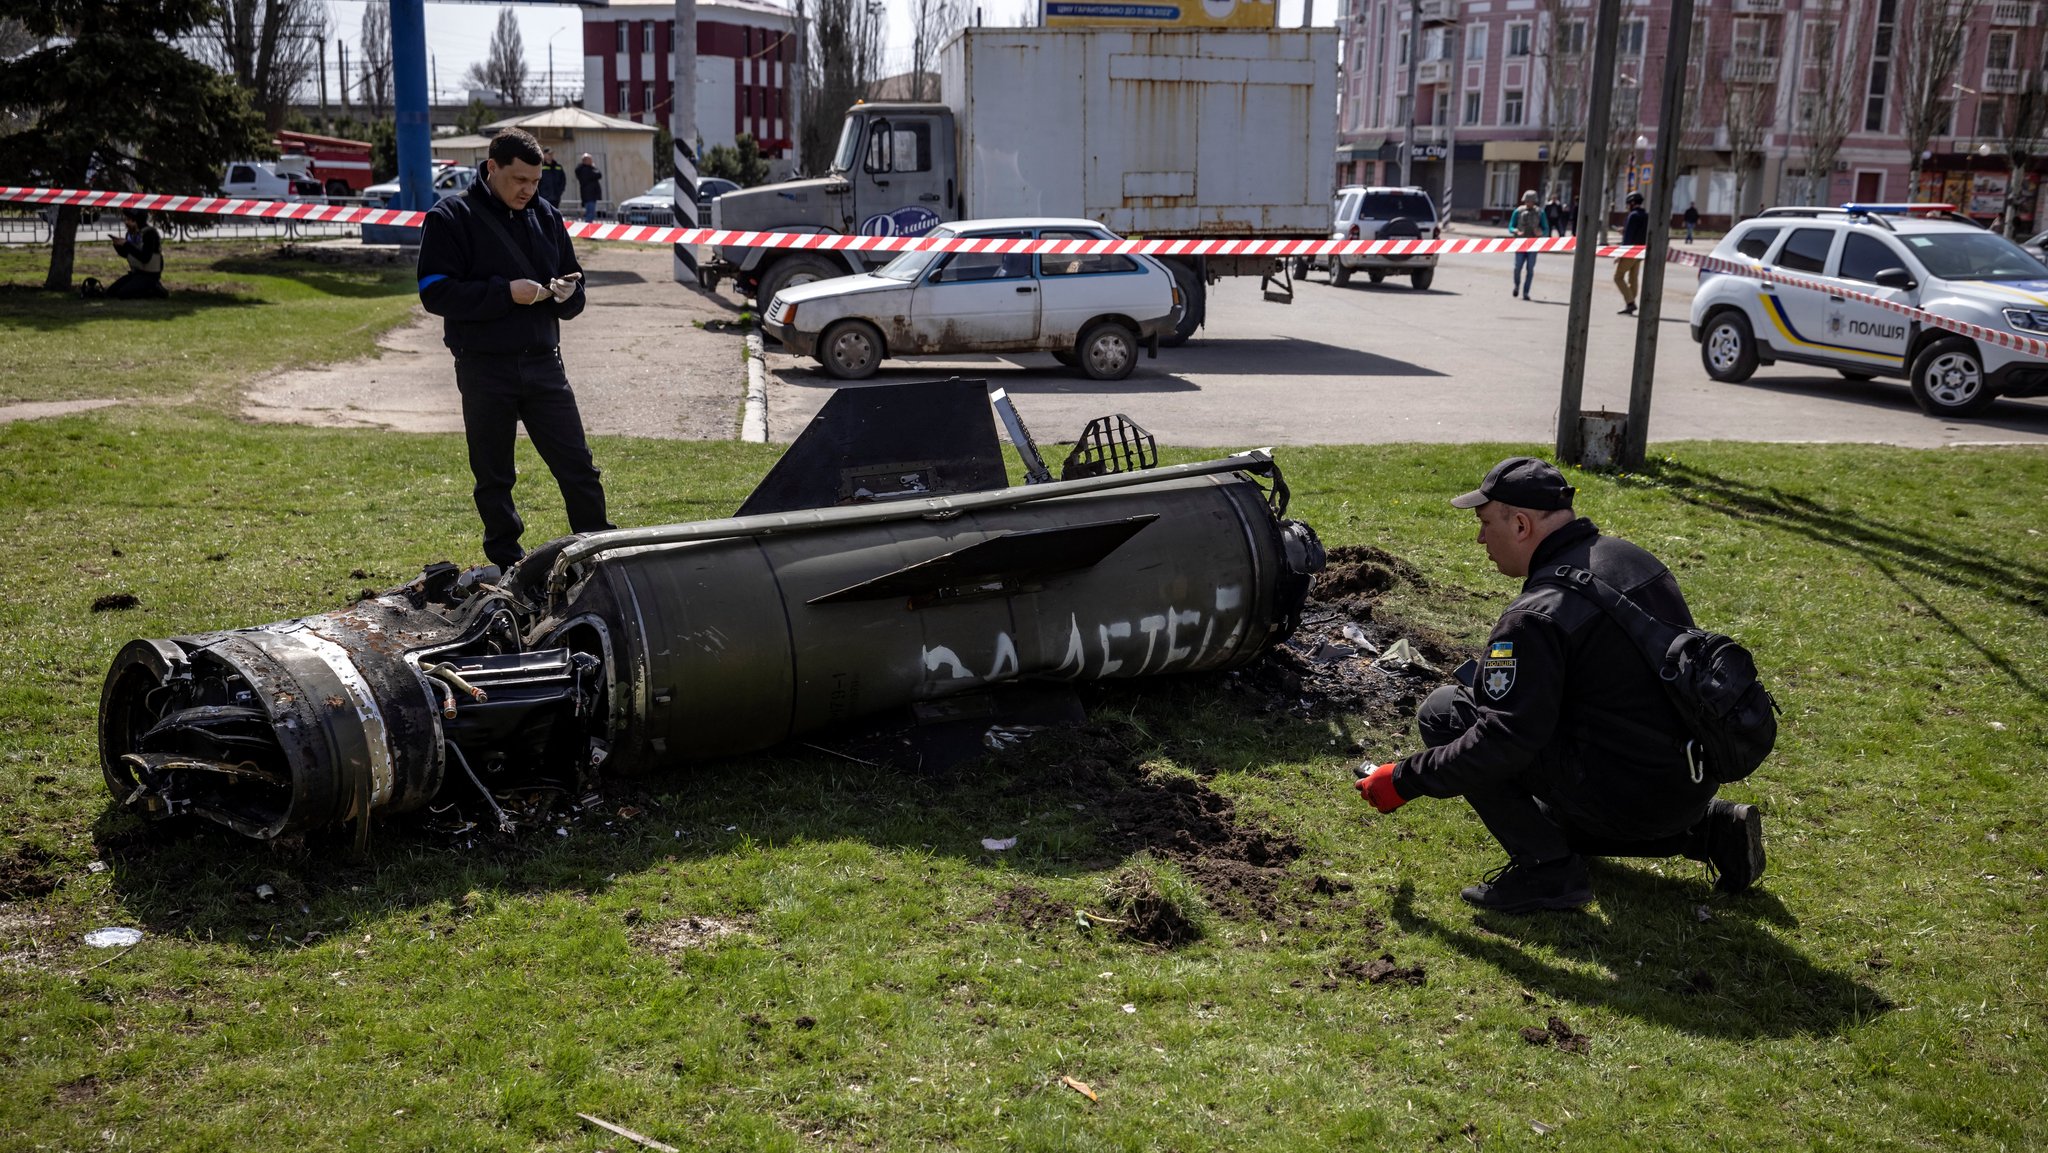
(682, 127)
(1670, 114)
(1414, 55)
(409, 96)
(1592, 218)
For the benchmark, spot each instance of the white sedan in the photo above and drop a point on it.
(1093, 313)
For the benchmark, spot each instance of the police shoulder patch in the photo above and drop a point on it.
(1497, 672)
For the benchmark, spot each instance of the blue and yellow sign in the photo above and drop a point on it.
(1174, 14)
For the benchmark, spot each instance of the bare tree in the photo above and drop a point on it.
(270, 47)
(1747, 116)
(1929, 44)
(1564, 87)
(842, 55)
(1624, 121)
(932, 23)
(374, 68)
(504, 70)
(1824, 116)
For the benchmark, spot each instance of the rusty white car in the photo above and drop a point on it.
(1092, 312)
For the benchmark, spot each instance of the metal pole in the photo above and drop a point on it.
(1450, 121)
(682, 127)
(409, 92)
(1592, 217)
(1414, 60)
(1670, 116)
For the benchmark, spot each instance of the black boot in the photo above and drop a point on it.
(1513, 888)
(1734, 845)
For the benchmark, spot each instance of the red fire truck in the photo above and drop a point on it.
(341, 166)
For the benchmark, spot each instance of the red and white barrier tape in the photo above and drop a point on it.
(651, 234)
(654, 234)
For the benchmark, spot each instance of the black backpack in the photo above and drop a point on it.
(1710, 679)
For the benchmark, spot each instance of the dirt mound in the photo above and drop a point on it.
(1027, 907)
(1148, 913)
(1346, 658)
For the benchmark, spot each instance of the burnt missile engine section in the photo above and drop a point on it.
(883, 564)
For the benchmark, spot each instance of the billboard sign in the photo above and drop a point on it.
(1160, 13)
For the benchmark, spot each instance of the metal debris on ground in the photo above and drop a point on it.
(882, 563)
(997, 845)
(113, 937)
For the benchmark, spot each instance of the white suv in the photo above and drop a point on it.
(1359, 212)
(1931, 260)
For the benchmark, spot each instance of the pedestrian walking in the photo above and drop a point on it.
(1628, 270)
(497, 266)
(1527, 223)
(1692, 220)
(590, 186)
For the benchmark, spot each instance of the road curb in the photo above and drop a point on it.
(754, 416)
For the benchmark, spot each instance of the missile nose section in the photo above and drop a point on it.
(884, 563)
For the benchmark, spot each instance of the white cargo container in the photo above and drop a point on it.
(1161, 134)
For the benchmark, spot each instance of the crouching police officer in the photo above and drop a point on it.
(1562, 739)
(496, 264)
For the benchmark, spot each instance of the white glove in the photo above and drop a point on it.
(564, 287)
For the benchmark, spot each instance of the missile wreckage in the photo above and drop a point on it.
(884, 564)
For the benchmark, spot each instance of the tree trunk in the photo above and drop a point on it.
(63, 249)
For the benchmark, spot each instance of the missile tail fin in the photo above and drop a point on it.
(997, 565)
(877, 442)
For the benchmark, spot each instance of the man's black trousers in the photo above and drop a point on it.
(1556, 807)
(501, 391)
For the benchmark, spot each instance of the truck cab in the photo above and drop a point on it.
(893, 174)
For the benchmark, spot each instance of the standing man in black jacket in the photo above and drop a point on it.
(497, 266)
(589, 187)
(1563, 740)
(1628, 270)
(554, 180)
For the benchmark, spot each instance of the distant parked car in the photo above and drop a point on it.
(263, 180)
(450, 179)
(1093, 313)
(1359, 212)
(657, 204)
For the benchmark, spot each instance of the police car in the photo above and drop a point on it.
(1922, 255)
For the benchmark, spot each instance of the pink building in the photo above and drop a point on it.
(746, 68)
(1500, 88)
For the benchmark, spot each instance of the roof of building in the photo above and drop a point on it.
(607, 9)
(571, 119)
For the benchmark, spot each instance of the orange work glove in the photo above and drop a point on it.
(1378, 787)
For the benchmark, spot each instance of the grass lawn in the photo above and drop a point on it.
(793, 951)
(237, 310)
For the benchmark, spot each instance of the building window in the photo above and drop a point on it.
(647, 36)
(619, 40)
(1820, 43)
(1571, 38)
(1403, 61)
(1518, 40)
(1998, 50)
(1880, 67)
(1471, 107)
(1753, 40)
(1944, 118)
(1441, 114)
(647, 98)
(1990, 118)
(625, 101)
(1475, 43)
(1632, 36)
(1500, 184)
(1511, 108)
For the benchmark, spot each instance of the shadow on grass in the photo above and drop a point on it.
(1647, 954)
(45, 311)
(1078, 800)
(356, 283)
(1893, 550)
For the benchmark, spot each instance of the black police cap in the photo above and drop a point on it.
(1521, 481)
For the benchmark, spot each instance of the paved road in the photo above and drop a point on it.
(1462, 362)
